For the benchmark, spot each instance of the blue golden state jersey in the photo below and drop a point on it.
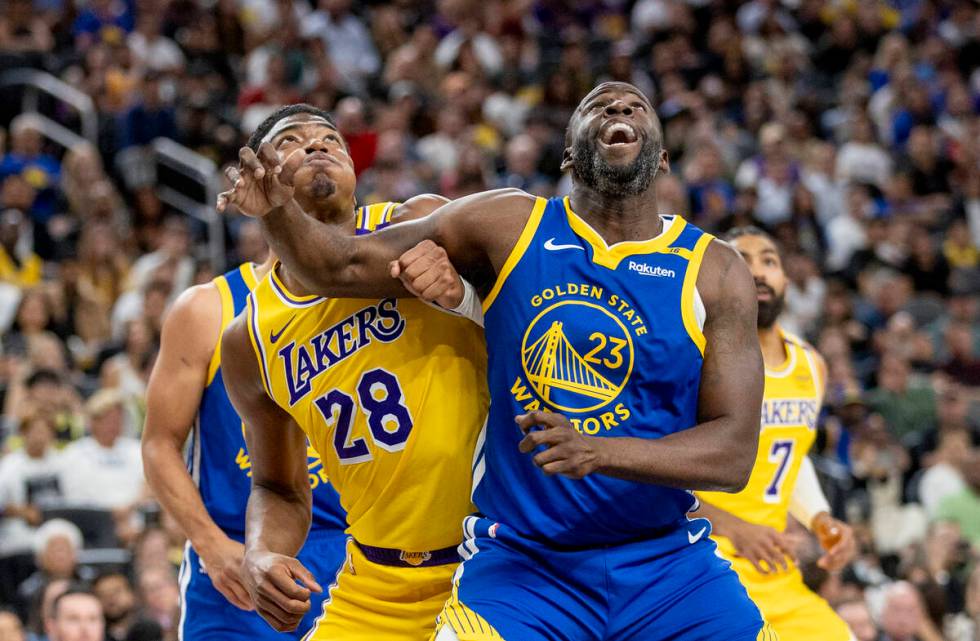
(217, 458)
(391, 393)
(609, 337)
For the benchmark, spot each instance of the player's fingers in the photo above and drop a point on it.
(551, 455)
(395, 269)
(236, 594)
(267, 156)
(756, 562)
(222, 203)
(421, 249)
(419, 265)
(776, 556)
(421, 282)
(281, 585)
(275, 615)
(548, 437)
(282, 605)
(537, 417)
(446, 291)
(304, 576)
(250, 163)
(290, 165)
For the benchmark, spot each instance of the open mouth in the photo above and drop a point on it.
(764, 293)
(318, 156)
(618, 133)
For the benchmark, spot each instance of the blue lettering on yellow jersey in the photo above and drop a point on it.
(217, 459)
(607, 336)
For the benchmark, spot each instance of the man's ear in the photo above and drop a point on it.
(566, 159)
(664, 164)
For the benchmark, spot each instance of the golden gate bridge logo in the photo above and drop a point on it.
(566, 378)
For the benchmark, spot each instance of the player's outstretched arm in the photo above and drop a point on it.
(278, 516)
(476, 232)
(715, 454)
(190, 333)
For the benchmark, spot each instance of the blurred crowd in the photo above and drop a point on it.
(849, 129)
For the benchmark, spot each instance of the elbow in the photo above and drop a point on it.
(734, 468)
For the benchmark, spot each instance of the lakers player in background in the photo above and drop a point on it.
(749, 525)
(207, 493)
(391, 393)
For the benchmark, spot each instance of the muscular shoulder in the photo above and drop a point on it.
(193, 323)
(724, 278)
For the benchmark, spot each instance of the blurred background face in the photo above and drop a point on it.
(107, 426)
(116, 596)
(77, 617)
(38, 435)
(902, 615)
(11, 628)
(858, 619)
(58, 559)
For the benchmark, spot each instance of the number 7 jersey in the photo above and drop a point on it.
(790, 407)
(392, 395)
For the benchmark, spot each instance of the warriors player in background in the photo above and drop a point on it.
(392, 394)
(637, 332)
(207, 494)
(749, 526)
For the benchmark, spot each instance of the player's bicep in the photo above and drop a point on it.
(732, 376)
(276, 444)
(190, 334)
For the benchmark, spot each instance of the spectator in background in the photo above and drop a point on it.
(123, 620)
(347, 40)
(45, 393)
(11, 628)
(23, 31)
(965, 626)
(963, 507)
(56, 546)
(102, 21)
(151, 49)
(76, 615)
(27, 159)
(861, 158)
(105, 470)
(151, 117)
(19, 265)
(858, 618)
(906, 408)
(903, 617)
(29, 482)
(521, 165)
(773, 173)
(160, 596)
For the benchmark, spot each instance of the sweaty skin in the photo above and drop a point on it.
(320, 176)
(478, 232)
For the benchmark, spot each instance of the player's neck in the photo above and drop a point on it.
(618, 218)
(773, 348)
(261, 269)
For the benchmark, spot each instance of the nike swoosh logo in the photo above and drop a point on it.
(274, 336)
(694, 538)
(551, 246)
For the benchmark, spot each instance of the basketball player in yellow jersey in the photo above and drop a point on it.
(748, 526)
(391, 393)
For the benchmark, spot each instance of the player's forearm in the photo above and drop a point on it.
(704, 457)
(174, 489)
(277, 519)
(325, 258)
(722, 522)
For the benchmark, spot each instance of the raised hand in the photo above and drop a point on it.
(261, 182)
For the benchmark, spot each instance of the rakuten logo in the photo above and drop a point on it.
(647, 270)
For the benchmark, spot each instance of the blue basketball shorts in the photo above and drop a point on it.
(672, 587)
(206, 615)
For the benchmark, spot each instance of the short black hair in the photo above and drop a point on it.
(110, 573)
(748, 230)
(43, 376)
(284, 112)
(74, 588)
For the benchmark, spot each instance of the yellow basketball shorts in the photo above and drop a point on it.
(794, 612)
(374, 602)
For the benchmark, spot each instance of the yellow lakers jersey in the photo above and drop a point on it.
(790, 407)
(391, 393)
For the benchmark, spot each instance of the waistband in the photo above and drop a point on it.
(403, 559)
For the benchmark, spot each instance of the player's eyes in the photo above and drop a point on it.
(286, 139)
(639, 106)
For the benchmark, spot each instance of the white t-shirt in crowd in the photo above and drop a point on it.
(102, 477)
(27, 481)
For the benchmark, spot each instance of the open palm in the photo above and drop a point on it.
(260, 183)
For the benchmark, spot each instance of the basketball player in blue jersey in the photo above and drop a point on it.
(207, 495)
(624, 372)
